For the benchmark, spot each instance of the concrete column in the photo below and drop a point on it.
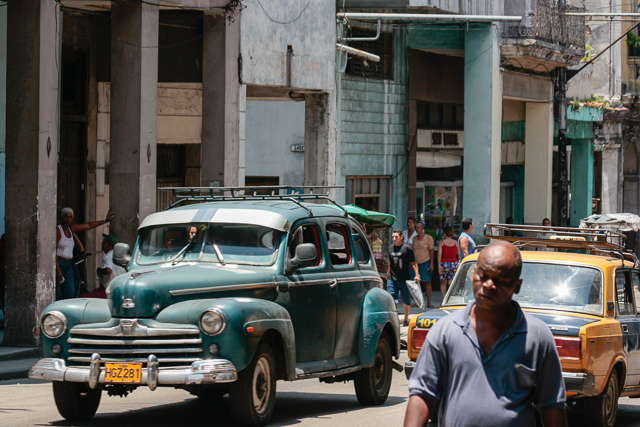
(134, 106)
(31, 180)
(611, 182)
(320, 139)
(482, 126)
(581, 180)
(538, 161)
(220, 101)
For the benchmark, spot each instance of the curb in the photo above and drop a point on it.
(16, 369)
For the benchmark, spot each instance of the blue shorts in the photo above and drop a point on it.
(423, 269)
(395, 287)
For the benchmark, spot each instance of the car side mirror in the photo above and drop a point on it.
(121, 255)
(306, 256)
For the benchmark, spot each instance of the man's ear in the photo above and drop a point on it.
(517, 287)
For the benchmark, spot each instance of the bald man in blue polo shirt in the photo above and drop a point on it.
(490, 362)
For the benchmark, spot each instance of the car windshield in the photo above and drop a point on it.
(221, 243)
(547, 286)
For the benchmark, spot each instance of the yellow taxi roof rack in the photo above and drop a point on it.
(568, 238)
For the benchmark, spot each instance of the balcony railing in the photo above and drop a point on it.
(545, 20)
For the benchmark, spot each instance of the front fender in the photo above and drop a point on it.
(238, 343)
(378, 311)
(77, 311)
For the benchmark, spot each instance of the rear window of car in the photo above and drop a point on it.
(544, 285)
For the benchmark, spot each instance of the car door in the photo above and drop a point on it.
(349, 290)
(629, 322)
(311, 299)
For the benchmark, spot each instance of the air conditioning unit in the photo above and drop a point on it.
(440, 139)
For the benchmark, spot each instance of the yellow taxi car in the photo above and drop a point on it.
(586, 288)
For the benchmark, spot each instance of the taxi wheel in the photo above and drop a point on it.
(252, 396)
(373, 384)
(601, 411)
(76, 401)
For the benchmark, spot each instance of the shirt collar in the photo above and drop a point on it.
(519, 325)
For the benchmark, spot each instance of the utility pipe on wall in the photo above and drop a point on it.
(358, 52)
(428, 17)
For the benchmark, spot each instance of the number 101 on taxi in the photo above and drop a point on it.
(123, 372)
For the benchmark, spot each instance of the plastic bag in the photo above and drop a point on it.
(416, 293)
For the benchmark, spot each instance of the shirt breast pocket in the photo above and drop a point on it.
(525, 377)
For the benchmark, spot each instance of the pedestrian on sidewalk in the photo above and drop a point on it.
(410, 232)
(66, 239)
(448, 257)
(108, 271)
(465, 241)
(491, 362)
(423, 251)
(401, 259)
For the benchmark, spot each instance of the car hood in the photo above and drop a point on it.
(559, 323)
(143, 292)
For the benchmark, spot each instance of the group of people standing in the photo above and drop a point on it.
(412, 257)
(66, 241)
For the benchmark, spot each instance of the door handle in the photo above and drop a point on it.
(334, 284)
(625, 328)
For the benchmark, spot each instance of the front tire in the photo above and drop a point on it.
(252, 396)
(601, 411)
(76, 401)
(373, 384)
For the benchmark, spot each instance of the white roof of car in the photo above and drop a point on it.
(258, 217)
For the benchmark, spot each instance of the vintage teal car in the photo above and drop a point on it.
(228, 296)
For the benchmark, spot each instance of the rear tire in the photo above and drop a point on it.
(76, 401)
(601, 411)
(252, 396)
(373, 384)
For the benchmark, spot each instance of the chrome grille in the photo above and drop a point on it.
(132, 342)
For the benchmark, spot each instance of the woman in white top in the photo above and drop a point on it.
(66, 239)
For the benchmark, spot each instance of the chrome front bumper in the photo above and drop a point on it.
(212, 371)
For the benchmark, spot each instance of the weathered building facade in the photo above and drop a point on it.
(109, 100)
(459, 115)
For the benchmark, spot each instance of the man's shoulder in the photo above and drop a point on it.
(537, 328)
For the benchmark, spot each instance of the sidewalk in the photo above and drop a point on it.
(15, 362)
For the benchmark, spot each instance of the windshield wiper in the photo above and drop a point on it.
(218, 253)
(183, 251)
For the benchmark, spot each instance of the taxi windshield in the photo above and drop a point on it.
(209, 242)
(545, 286)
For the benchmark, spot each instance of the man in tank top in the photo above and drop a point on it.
(465, 241)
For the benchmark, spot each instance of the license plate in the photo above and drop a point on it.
(123, 373)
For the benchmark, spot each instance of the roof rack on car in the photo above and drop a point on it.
(590, 239)
(293, 193)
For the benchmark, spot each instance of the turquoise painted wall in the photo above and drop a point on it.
(515, 174)
(513, 131)
(581, 180)
(436, 37)
(373, 130)
(481, 62)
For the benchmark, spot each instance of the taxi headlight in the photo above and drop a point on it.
(54, 324)
(213, 321)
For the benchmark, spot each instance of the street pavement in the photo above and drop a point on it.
(26, 402)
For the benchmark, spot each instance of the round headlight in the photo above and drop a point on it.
(213, 321)
(54, 324)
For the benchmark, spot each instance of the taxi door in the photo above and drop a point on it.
(629, 322)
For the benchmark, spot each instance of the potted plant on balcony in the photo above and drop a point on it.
(633, 41)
